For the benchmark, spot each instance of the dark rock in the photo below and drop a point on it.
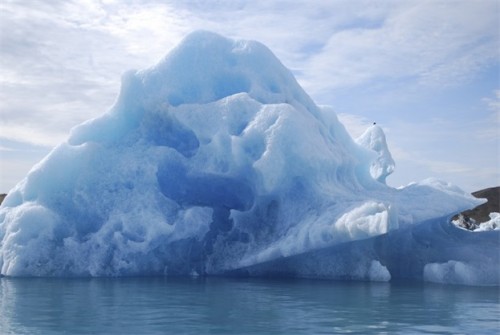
(470, 219)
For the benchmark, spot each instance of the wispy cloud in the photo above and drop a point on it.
(493, 104)
(355, 124)
(432, 42)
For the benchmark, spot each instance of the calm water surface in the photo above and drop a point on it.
(242, 306)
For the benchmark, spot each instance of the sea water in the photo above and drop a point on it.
(242, 306)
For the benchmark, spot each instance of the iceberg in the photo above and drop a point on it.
(216, 162)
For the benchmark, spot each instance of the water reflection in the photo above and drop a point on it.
(229, 306)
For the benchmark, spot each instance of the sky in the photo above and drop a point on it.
(428, 72)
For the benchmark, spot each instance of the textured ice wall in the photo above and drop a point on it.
(213, 159)
(434, 251)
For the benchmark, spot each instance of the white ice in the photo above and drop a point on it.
(492, 224)
(374, 139)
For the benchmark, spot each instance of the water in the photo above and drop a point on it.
(242, 306)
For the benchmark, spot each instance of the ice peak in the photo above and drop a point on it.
(374, 139)
(207, 67)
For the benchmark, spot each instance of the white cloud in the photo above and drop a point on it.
(435, 42)
(493, 104)
(31, 134)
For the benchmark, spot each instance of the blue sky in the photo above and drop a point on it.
(426, 71)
